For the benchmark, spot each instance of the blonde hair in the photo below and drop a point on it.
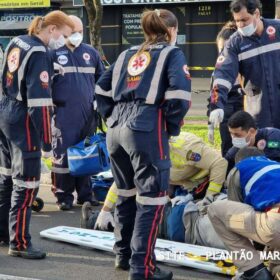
(57, 18)
(155, 24)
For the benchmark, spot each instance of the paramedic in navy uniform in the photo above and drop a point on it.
(25, 124)
(73, 97)
(144, 96)
(253, 51)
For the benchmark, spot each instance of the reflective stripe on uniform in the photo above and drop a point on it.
(222, 82)
(60, 170)
(83, 157)
(259, 51)
(39, 102)
(57, 190)
(152, 94)
(117, 71)
(70, 69)
(214, 187)
(21, 69)
(126, 193)
(257, 176)
(145, 200)
(26, 184)
(5, 171)
(178, 94)
(112, 197)
(86, 70)
(100, 91)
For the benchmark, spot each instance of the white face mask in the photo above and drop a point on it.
(240, 142)
(248, 30)
(55, 44)
(76, 39)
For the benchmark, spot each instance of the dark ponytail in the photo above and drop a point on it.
(155, 25)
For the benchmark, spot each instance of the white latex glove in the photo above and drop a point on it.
(180, 199)
(216, 117)
(58, 68)
(103, 220)
(211, 133)
(47, 154)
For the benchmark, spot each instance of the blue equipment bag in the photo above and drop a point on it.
(101, 184)
(88, 157)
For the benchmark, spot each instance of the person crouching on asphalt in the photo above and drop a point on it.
(251, 213)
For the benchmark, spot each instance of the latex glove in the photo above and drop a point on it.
(204, 203)
(103, 220)
(216, 117)
(211, 133)
(58, 69)
(180, 199)
(47, 154)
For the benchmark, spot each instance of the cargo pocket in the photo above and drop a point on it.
(144, 120)
(164, 174)
(245, 222)
(31, 165)
(11, 111)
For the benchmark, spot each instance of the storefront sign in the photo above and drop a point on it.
(137, 2)
(131, 28)
(13, 21)
(13, 4)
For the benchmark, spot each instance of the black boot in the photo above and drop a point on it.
(64, 206)
(158, 275)
(4, 240)
(261, 274)
(29, 253)
(122, 263)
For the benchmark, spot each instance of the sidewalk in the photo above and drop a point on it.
(200, 93)
(200, 84)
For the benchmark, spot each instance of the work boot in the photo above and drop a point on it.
(158, 275)
(262, 274)
(88, 216)
(64, 206)
(122, 263)
(29, 253)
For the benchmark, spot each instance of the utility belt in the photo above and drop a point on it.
(275, 208)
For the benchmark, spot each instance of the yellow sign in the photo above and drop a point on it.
(13, 4)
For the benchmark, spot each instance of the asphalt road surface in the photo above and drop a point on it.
(70, 262)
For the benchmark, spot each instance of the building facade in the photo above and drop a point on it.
(199, 23)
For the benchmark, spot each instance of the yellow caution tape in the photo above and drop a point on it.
(199, 68)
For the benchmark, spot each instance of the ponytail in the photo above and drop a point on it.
(57, 18)
(155, 25)
(35, 26)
